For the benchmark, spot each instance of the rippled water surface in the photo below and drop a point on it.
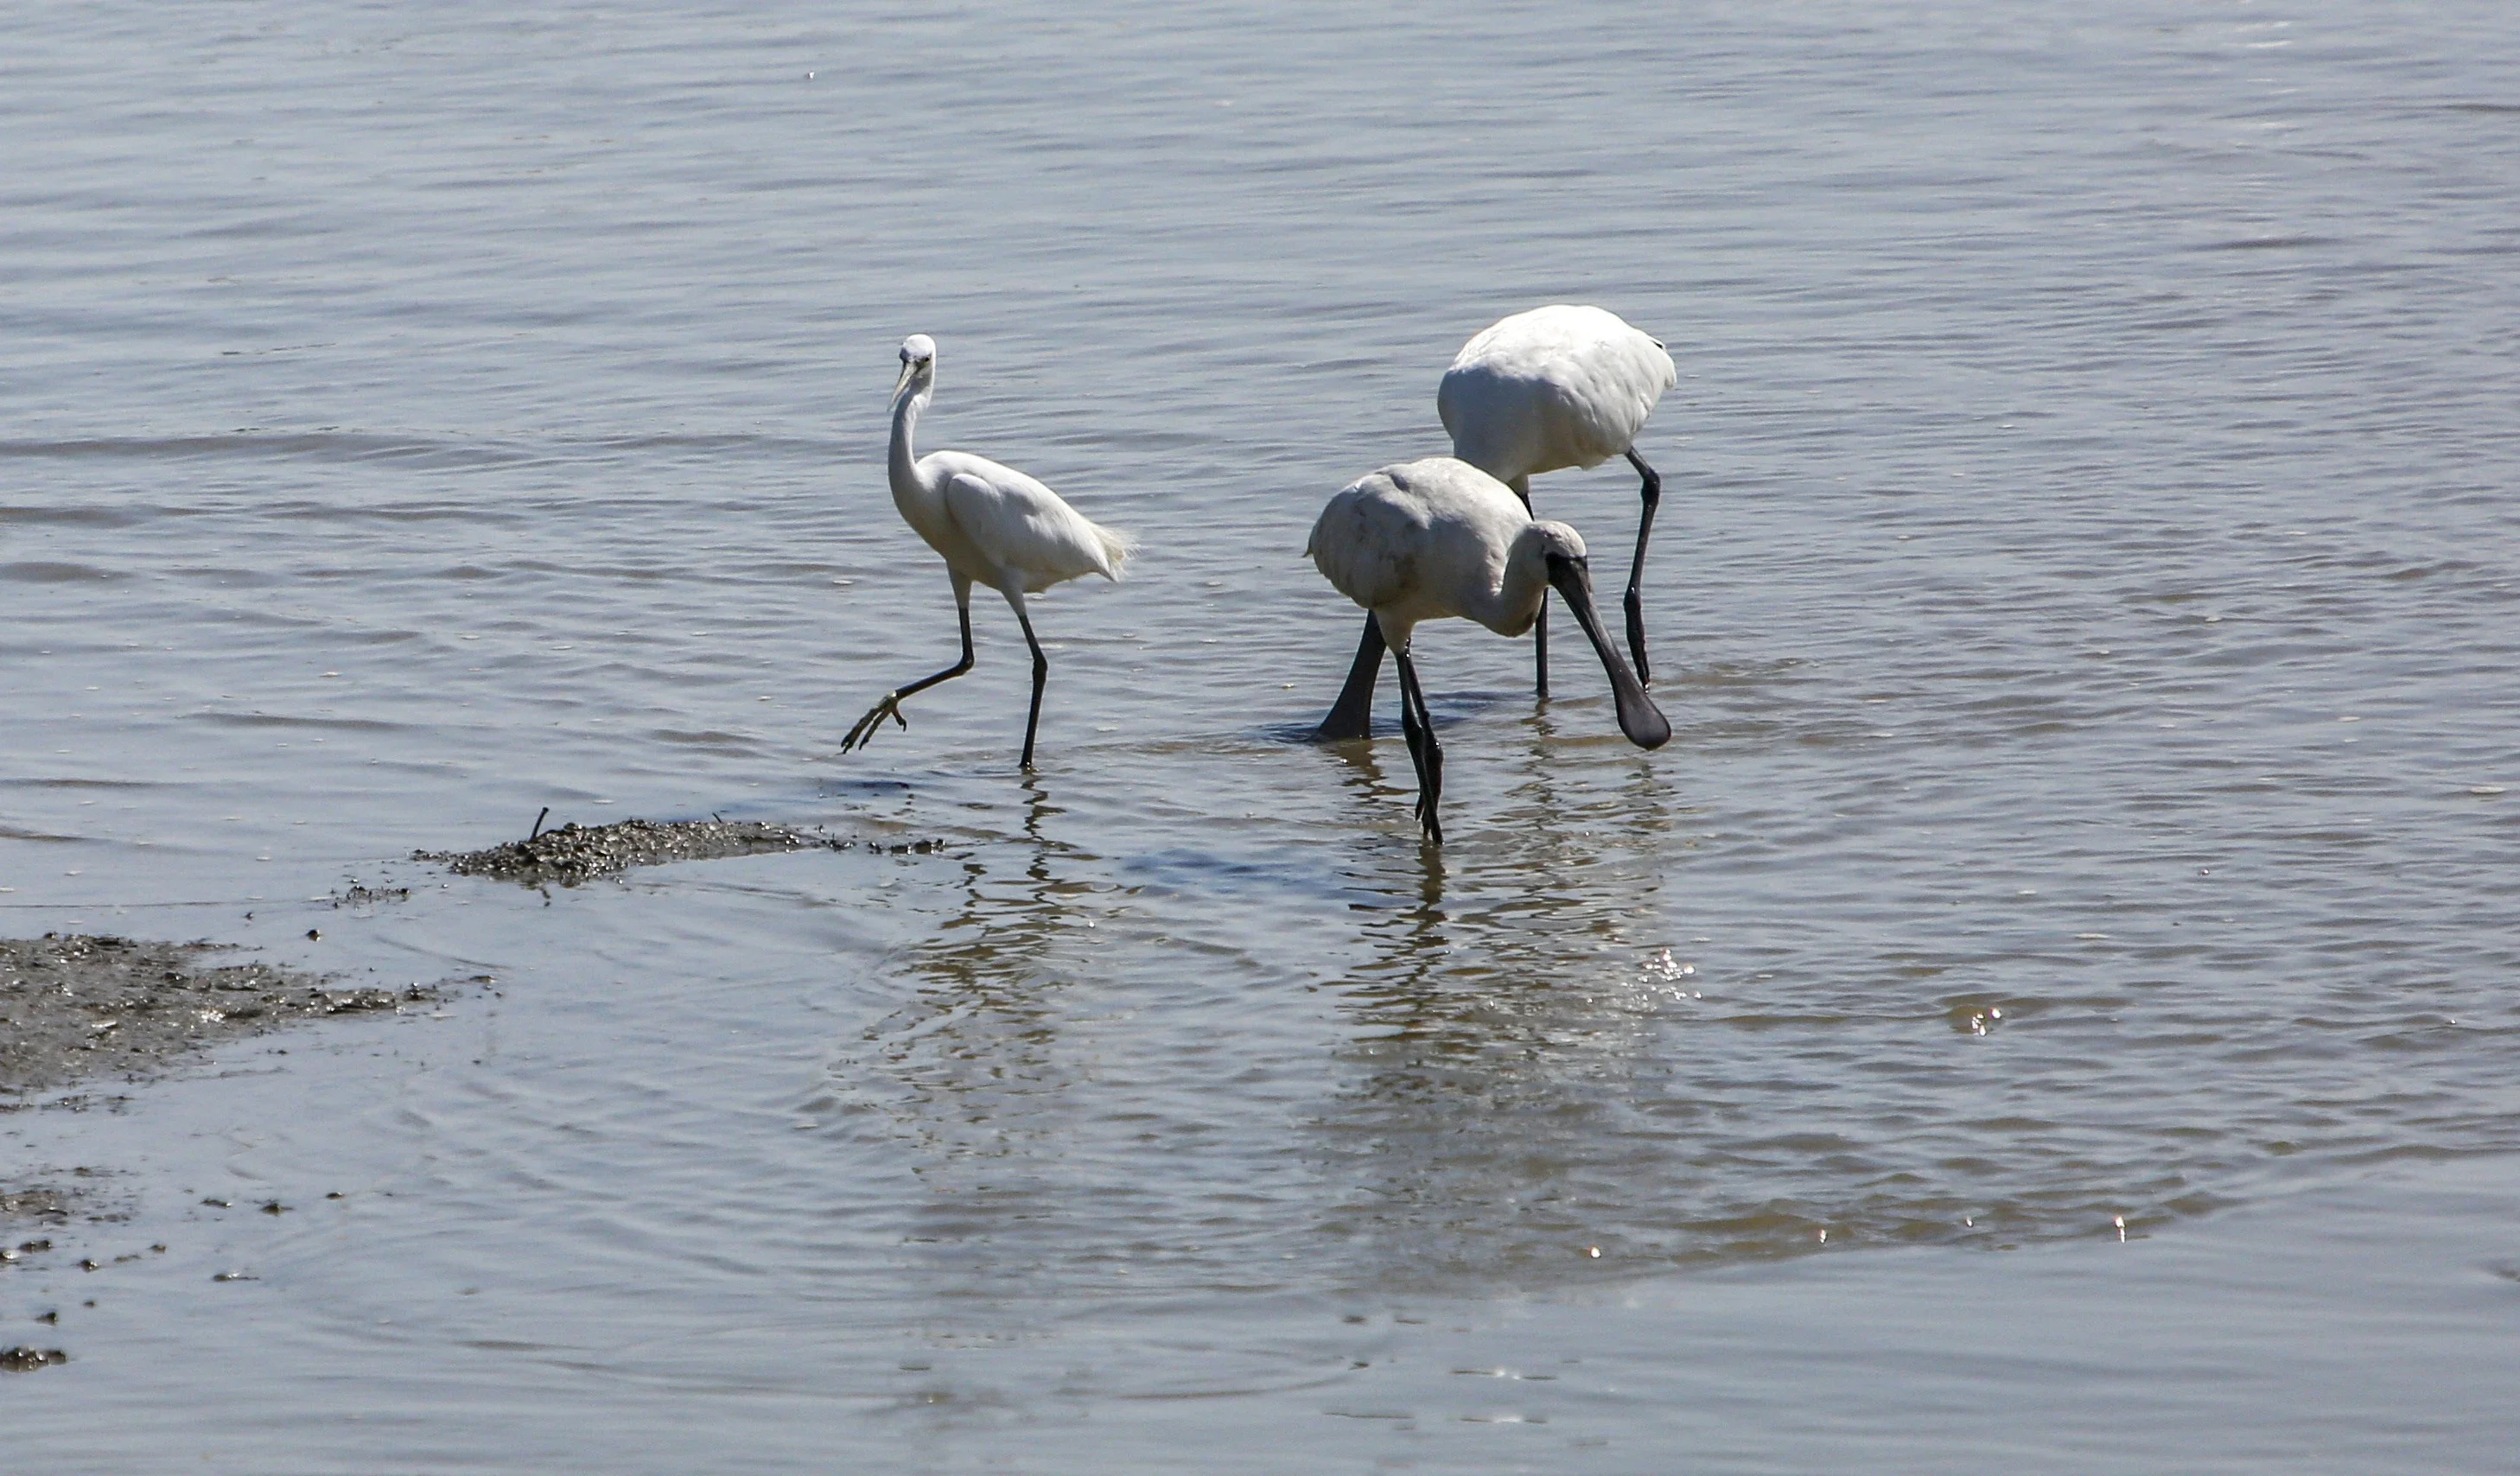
(2084, 597)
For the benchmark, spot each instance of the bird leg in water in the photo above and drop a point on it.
(1520, 486)
(1352, 715)
(1540, 651)
(1417, 726)
(1651, 491)
(890, 707)
(1040, 673)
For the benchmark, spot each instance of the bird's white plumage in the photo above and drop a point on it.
(1436, 539)
(1431, 539)
(1553, 387)
(993, 524)
(1019, 527)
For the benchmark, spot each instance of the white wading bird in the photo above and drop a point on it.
(1541, 391)
(1437, 538)
(993, 524)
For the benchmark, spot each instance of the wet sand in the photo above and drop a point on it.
(75, 1008)
(572, 854)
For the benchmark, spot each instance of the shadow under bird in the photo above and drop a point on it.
(1543, 390)
(992, 525)
(1439, 538)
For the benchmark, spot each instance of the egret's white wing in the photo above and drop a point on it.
(1020, 525)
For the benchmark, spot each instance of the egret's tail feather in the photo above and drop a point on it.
(1117, 546)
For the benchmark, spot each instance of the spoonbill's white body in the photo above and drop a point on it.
(1440, 539)
(1540, 391)
(993, 526)
(1554, 388)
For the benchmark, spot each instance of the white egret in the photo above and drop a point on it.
(1540, 391)
(994, 526)
(1431, 539)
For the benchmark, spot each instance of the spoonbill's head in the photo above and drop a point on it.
(1555, 541)
(918, 359)
(1531, 564)
(1561, 549)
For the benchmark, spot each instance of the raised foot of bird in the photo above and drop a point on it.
(865, 731)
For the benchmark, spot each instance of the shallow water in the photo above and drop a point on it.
(2083, 599)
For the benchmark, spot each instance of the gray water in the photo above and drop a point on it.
(2083, 599)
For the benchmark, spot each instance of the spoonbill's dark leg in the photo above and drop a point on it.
(1521, 487)
(890, 707)
(1653, 494)
(1039, 675)
(1352, 715)
(1418, 725)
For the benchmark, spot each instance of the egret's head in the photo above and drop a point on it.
(918, 360)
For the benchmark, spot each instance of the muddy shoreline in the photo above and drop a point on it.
(572, 854)
(78, 1007)
(82, 1013)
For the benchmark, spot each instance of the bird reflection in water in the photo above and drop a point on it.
(970, 1068)
(1538, 811)
(1483, 1120)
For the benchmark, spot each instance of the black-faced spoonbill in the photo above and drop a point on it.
(994, 526)
(1540, 391)
(1437, 538)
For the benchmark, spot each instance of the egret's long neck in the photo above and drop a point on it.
(904, 464)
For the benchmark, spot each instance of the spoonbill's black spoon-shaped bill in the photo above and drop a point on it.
(993, 526)
(1554, 388)
(1440, 538)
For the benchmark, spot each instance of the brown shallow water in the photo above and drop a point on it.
(2082, 598)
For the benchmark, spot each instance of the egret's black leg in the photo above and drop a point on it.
(1522, 488)
(890, 707)
(1419, 726)
(1040, 678)
(1653, 494)
(1352, 715)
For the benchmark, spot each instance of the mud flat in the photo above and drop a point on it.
(570, 854)
(74, 1007)
(24, 1207)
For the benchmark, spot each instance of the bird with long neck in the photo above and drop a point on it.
(992, 525)
(1439, 539)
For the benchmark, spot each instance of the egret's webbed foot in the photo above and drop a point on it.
(865, 731)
